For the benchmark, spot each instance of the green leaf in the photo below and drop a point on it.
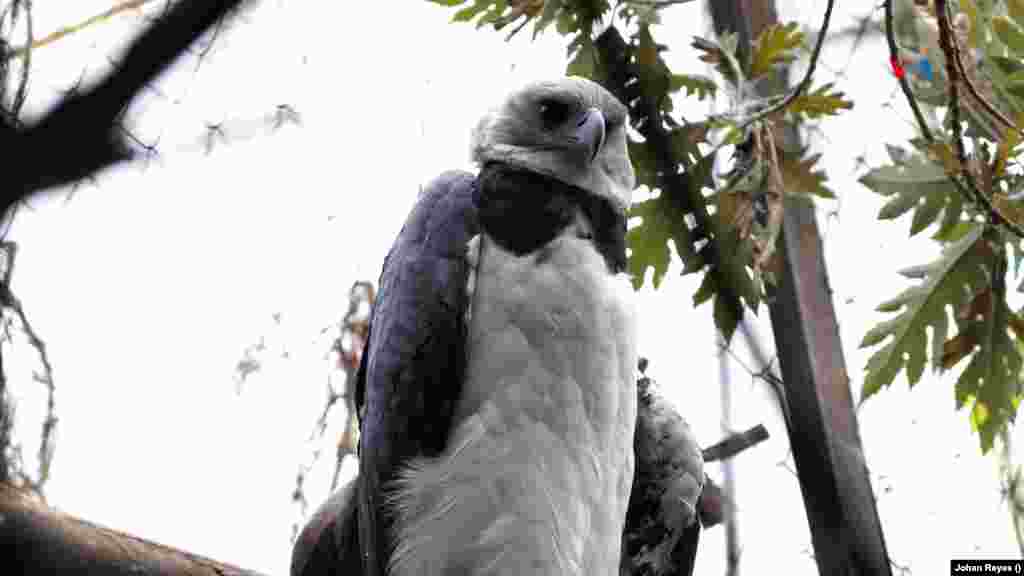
(1015, 8)
(493, 16)
(946, 282)
(706, 290)
(719, 55)
(953, 227)
(448, 2)
(643, 163)
(896, 154)
(1009, 33)
(819, 103)
(777, 44)
(990, 384)
(663, 219)
(920, 185)
(648, 243)
(653, 72)
(727, 316)
(684, 140)
(551, 10)
(734, 255)
(470, 12)
(647, 14)
(991, 381)
(702, 86)
(585, 62)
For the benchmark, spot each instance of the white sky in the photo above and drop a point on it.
(148, 287)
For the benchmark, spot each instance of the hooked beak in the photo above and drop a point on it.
(590, 132)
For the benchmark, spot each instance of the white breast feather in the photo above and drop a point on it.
(537, 473)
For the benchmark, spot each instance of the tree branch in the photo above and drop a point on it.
(973, 91)
(894, 60)
(23, 51)
(35, 539)
(76, 139)
(736, 443)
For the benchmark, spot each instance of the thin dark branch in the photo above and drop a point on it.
(808, 76)
(894, 59)
(24, 51)
(76, 139)
(736, 443)
(26, 64)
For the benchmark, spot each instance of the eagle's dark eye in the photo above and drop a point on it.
(553, 113)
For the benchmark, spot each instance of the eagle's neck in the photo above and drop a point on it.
(523, 211)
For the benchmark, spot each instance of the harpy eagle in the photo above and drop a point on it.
(497, 391)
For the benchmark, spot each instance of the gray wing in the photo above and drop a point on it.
(662, 528)
(411, 373)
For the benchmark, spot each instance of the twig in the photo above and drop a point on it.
(894, 58)
(11, 302)
(736, 443)
(780, 103)
(808, 76)
(26, 64)
(24, 51)
(76, 139)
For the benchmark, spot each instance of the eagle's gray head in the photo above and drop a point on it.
(571, 129)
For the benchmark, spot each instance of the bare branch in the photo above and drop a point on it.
(894, 59)
(76, 138)
(8, 301)
(736, 443)
(25, 51)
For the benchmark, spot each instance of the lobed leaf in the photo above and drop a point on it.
(702, 86)
(991, 381)
(777, 44)
(946, 282)
(919, 185)
(818, 103)
(1009, 33)
(799, 176)
(648, 243)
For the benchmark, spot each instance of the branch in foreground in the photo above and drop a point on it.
(77, 138)
(894, 59)
(736, 443)
(23, 51)
(36, 539)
